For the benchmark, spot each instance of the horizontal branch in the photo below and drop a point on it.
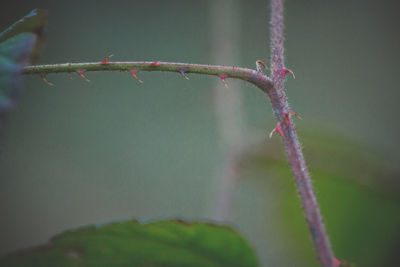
(255, 77)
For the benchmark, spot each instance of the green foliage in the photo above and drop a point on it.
(34, 23)
(14, 54)
(163, 243)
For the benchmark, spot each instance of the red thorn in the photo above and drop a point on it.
(105, 61)
(285, 70)
(278, 129)
(296, 115)
(259, 64)
(288, 115)
(223, 77)
(183, 73)
(287, 118)
(82, 74)
(45, 80)
(262, 63)
(133, 72)
(155, 64)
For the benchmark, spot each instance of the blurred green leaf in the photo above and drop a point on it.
(163, 243)
(35, 23)
(19, 44)
(357, 193)
(14, 54)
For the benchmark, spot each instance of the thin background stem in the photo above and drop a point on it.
(225, 18)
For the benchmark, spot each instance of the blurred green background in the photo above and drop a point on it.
(79, 153)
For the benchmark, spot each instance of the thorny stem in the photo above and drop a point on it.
(249, 75)
(275, 90)
(296, 158)
(263, 82)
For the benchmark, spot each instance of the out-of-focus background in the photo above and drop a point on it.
(112, 149)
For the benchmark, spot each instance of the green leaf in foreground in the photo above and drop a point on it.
(19, 44)
(14, 53)
(34, 23)
(163, 243)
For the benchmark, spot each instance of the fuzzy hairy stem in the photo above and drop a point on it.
(293, 148)
(249, 75)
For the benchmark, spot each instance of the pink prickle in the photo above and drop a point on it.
(285, 70)
(278, 129)
(82, 74)
(183, 73)
(105, 61)
(133, 73)
(223, 77)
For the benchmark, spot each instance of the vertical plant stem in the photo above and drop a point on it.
(295, 154)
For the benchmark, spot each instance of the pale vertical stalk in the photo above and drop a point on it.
(225, 38)
(293, 148)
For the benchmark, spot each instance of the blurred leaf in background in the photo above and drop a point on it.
(359, 198)
(162, 243)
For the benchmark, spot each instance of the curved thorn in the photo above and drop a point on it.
(223, 77)
(183, 73)
(82, 74)
(105, 61)
(296, 115)
(260, 63)
(286, 70)
(45, 80)
(278, 129)
(133, 73)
